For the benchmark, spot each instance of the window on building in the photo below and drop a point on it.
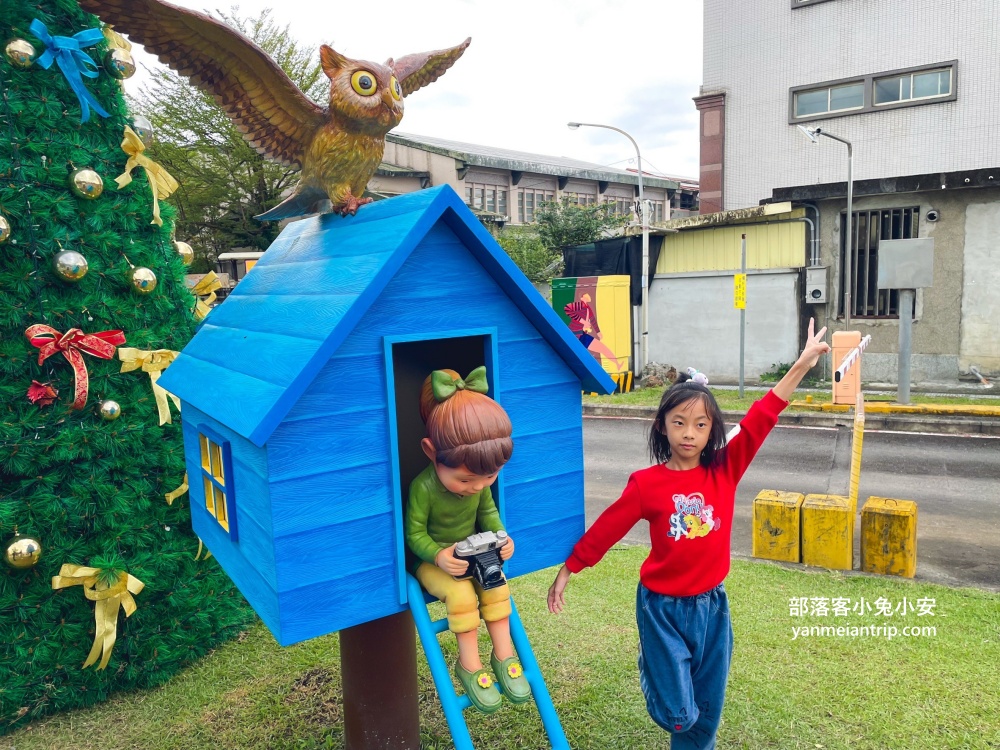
(216, 477)
(830, 99)
(486, 198)
(621, 206)
(928, 84)
(869, 228)
(581, 199)
(528, 200)
(656, 211)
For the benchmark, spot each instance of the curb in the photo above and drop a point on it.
(948, 424)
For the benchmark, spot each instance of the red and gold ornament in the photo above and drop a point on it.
(74, 344)
(42, 394)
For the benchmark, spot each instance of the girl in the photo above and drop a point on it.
(685, 636)
(468, 441)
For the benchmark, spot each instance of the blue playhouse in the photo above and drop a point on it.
(300, 406)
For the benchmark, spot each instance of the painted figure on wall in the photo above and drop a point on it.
(583, 324)
(468, 442)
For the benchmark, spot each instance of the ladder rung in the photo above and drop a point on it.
(463, 701)
(439, 626)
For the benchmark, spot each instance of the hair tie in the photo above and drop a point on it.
(697, 377)
(444, 386)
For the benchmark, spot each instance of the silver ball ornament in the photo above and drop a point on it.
(143, 280)
(109, 410)
(20, 52)
(4, 229)
(119, 63)
(86, 183)
(69, 265)
(144, 129)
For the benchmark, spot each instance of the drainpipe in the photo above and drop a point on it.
(814, 245)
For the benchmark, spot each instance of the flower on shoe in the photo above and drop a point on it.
(515, 671)
(484, 681)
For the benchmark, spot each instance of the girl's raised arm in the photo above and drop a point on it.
(811, 352)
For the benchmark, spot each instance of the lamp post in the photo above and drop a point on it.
(811, 134)
(643, 307)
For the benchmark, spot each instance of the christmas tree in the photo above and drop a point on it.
(104, 587)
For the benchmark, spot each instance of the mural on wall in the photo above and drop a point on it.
(596, 309)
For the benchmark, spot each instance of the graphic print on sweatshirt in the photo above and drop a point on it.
(693, 518)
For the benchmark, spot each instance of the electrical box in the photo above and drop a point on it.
(816, 285)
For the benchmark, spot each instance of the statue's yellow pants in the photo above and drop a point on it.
(464, 600)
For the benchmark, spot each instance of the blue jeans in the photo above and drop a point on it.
(685, 646)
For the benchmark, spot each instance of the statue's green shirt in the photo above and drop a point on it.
(437, 518)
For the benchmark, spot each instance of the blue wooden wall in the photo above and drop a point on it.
(329, 461)
(251, 562)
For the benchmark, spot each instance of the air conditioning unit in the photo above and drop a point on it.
(816, 285)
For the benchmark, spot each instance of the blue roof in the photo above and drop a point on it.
(256, 354)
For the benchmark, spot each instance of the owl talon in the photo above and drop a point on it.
(350, 205)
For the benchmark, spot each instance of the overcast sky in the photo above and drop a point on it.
(533, 65)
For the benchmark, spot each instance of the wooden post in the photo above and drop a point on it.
(378, 663)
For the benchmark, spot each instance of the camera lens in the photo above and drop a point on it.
(492, 575)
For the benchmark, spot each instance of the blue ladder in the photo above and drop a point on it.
(454, 704)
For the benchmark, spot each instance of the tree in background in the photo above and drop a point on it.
(224, 181)
(537, 249)
(102, 586)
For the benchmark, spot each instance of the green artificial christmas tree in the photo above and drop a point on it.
(98, 566)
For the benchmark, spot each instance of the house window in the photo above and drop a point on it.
(486, 198)
(656, 211)
(528, 200)
(581, 199)
(621, 206)
(217, 480)
(869, 228)
(909, 87)
(830, 99)
(928, 84)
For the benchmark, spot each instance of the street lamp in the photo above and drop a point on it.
(643, 307)
(811, 134)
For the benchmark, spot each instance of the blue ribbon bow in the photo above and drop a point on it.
(67, 52)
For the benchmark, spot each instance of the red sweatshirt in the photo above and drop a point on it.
(690, 514)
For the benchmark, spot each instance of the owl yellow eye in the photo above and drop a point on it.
(364, 83)
(394, 87)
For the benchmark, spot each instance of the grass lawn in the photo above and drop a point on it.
(863, 693)
(729, 400)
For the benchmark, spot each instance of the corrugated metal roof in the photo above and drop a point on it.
(258, 351)
(520, 161)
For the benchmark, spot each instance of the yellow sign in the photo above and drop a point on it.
(740, 291)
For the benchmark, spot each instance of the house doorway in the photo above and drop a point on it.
(409, 363)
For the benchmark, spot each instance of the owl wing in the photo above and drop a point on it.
(416, 71)
(268, 109)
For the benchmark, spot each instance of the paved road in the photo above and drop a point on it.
(954, 479)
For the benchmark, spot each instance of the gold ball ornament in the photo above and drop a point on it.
(119, 64)
(109, 410)
(185, 251)
(69, 265)
(4, 229)
(143, 280)
(144, 129)
(86, 183)
(22, 552)
(20, 52)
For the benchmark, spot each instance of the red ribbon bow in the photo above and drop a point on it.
(49, 341)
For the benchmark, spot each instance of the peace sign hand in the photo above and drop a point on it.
(815, 346)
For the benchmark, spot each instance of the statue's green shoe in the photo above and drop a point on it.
(511, 677)
(479, 687)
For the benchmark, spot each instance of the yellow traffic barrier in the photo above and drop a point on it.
(776, 525)
(828, 532)
(889, 537)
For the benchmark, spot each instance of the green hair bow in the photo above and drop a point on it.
(444, 386)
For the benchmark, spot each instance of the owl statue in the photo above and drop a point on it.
(337, 147)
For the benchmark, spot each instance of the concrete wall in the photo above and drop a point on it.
(756, 50)
(980, 342)
(957, 319)
(692, 322)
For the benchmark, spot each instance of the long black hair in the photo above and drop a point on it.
(680, 393)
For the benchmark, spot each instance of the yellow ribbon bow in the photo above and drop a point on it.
(108, 598)
(160, 181)
(205, 288)
(174, 494)
(154, 362)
